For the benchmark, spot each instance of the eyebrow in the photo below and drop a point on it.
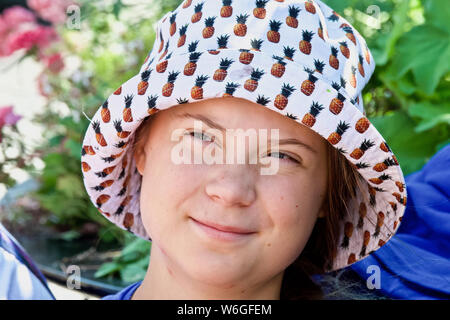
(214, 124)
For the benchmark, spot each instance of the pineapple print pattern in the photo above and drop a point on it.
(301, 60)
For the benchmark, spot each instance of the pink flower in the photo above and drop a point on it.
(51, 10)
(41, 36)
(8, 117)
(16, 15)
(54, 62)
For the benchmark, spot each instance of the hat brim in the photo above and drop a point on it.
(113, 182)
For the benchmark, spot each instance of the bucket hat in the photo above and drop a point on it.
(298, 58)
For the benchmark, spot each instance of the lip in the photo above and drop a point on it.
(225, 233)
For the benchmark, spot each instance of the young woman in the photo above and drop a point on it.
(161, 158)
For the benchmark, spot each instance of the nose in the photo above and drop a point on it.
(234, 185)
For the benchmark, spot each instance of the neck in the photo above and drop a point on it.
(164, 281)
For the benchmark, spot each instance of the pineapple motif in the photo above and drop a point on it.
(101, 200)
(380, 222)
(151, 103)
(252, 83)
(187, 3)
(353, 77)
(230, 88)
(308, 85)
(360, 65)
(333, 17)
(98, 135)
(291, 116)
(344, 49)
(320, 31)
(288, 53)
(106, 115)
(246, 56)
(182, 100)
(281, 100)
(226, 10)
(162, 66)
(118, 91)
(120, 133)
(128, 221)
(173, 24)
(165, 51)
(161, 44)
(87, 150)
(85, 166)
(336, 136)
(319, 65)
(348, 232)
(240, 28)
(384, 146)
(379, 167)
(278, 68)
(380, 179)
(168, 87)
(366, 53)
(182, 38)
(105, 172)
(143, 84)
(365, 243)
(127, 116)
(208, 31)
(197, 13)
(362, 214)
(362, 125)
(337, 103)
(309, 6)
(256, 44)
(400, 185)
(305, 44)
(197, 90)
(273, 35)
(351, 258)
(309, 119)
(291, 19)
(221, 73)
(262, 100)
(222, 41)
(191, 66)
(334, 61)
(260, 10)
(349, 34)
(359, 152)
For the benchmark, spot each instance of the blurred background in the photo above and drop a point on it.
(60, 59)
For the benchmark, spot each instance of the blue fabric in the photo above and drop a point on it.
(124, 294)
(19, 276)
(415, 263)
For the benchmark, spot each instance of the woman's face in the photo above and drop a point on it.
(276, 213)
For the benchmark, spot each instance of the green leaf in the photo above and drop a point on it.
(437, 13)
(412, 149)
(133, 272)
(71, 186)
(106, 269)
(74, 147)
(430, 114)
(426, 51)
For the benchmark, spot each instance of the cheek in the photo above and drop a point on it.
(165, 186)
(292, 208)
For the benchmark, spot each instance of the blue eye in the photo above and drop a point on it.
(201, 136)
(282, 156)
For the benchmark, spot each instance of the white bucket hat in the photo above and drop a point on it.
(298, 58)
